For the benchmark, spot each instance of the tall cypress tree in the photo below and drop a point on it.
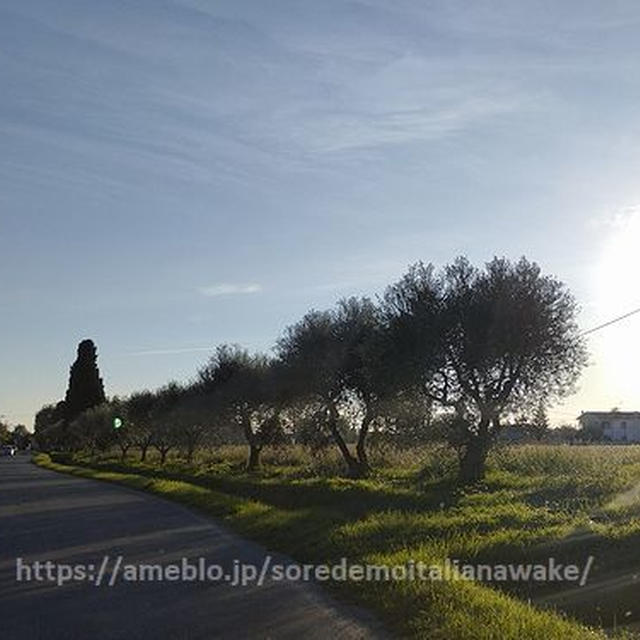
(86, 389)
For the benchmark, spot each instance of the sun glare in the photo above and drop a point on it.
(617, 280)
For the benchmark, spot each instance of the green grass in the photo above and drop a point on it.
(537, 501)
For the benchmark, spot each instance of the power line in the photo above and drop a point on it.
(606, 324)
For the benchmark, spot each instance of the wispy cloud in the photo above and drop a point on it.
(225, 289)
(339, 132)
(166, 352)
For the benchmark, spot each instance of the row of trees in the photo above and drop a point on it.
(18, 436)
(461, 349)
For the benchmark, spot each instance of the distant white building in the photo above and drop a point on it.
(617, 426)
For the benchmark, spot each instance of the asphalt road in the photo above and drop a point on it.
(46, 516)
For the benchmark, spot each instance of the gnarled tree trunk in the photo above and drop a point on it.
(474, 459)
(361, 449)
(123, 451)
(255, 447)
(355, 468)
(163, 450)
(253, 461)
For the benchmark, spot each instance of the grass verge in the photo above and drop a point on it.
(321, 520)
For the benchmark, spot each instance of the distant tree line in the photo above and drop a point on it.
(448, 354)
(18, 436)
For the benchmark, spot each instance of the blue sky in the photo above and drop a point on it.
(184, 173)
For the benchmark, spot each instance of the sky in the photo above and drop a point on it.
(177, 174)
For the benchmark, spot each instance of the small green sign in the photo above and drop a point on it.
(117, 423)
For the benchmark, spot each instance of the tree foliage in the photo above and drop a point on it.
(333, 358)
(244, 388)
(444, 354)
(483, 343)
(86, 389)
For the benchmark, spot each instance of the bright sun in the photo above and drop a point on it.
(617, 280)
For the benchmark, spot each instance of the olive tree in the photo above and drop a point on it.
(194, 422)
(331, 358)
(124, 433)
(243, 388)
(138, 411)
(93, 429)
(165, 436)
(482, 343)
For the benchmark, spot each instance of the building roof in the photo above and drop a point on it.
(610, 414)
